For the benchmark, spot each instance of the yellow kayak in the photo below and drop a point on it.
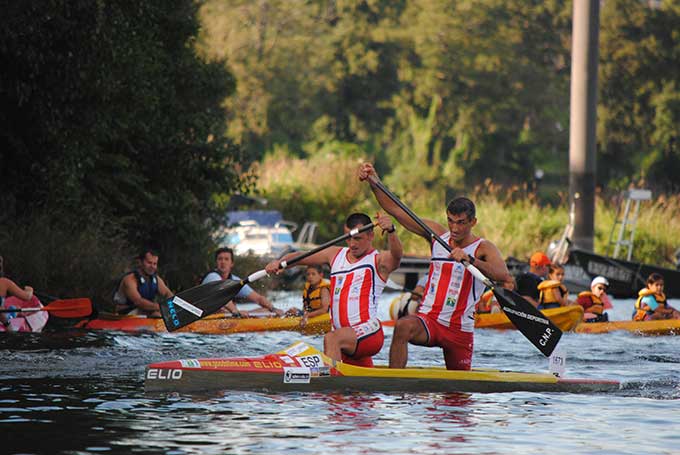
(661, 327)
(215, 324)
(301, 367)
(566, 318)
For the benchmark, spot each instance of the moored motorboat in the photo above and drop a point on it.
(301, 367)
(214, 324)
(659, 327)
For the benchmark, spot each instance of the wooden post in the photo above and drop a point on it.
(583, 119)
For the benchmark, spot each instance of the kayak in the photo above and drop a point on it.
(659, 327)
(23, 321)
(301, 367)
(566, 318)
(214, 324)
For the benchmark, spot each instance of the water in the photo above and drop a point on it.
(82, 393)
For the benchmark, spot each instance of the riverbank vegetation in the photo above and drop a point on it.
(513, 217)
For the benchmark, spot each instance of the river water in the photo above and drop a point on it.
(82, 393)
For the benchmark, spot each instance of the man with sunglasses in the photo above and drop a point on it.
(446, 315)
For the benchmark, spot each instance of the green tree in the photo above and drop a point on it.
(109, 113)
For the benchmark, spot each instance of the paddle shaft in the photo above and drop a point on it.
(200, 301)
(23, 310)
(262, 273)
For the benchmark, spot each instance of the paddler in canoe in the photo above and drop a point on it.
(14, 297)
(552, 292)
(224, 260)
(316, 295)
(358, 275)
(651, 304)
(137, 290)
(593, 301)
(528, 282)
(446, 315)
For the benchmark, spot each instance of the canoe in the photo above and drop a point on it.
(661, 327)
(215, 324)
(301, 367)
(566, 318)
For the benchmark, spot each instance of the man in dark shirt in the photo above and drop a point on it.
(527, 283)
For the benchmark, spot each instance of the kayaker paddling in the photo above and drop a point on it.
(358, 276)
(446, 316)
(137, 290)
(224, 261)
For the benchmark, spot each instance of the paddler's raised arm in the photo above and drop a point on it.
(368, 173)
(322, 257)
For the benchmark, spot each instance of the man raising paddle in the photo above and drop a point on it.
(446, 315)
(358, 276)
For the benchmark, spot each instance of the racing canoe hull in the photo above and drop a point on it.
(302, 368)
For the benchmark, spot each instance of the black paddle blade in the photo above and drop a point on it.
(198, 302)
(533, 324)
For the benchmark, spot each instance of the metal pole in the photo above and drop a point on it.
(583, 119)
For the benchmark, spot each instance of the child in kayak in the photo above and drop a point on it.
(316, 295)
(593, 301)
(651, 303)
(553, 293)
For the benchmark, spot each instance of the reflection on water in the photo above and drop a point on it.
(82, 393)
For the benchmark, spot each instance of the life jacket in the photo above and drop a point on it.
(590, 302)
(148, 288)
(547, 299)
(484, 304)
(640, 314)
(312, 299)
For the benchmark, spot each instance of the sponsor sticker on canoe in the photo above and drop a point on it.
(287, 360)
(296, 375)
(296, 349)
(311, 361)
(190, 363)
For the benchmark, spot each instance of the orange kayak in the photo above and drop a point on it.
(215, 324)
(661, 327)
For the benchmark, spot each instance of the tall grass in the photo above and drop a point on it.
(326, 189)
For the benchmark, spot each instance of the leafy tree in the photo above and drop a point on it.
(108, 112)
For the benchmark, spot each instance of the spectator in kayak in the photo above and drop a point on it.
(316, 295)
(224, 259)
(651, 303)
(593, 301)
(10, 288)
(446, 315)
(488, 304)
(409, 304)
(552, 292)
(138, 289)
(358, 276)
(527, 283)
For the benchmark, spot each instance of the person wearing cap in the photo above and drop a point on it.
(527, 283)
(593, 301)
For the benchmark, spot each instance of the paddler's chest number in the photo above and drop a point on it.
(311, 361)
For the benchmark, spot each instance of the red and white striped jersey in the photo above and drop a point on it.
(355, 288)
(451, 291)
